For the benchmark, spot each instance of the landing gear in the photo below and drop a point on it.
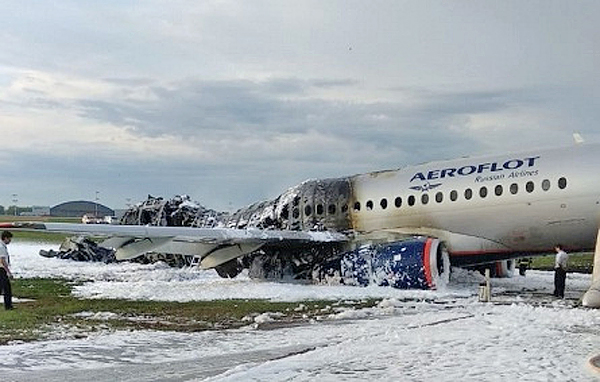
(591, 298)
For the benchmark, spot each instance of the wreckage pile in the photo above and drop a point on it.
(312, 205)
(177, 212)
(81, 249)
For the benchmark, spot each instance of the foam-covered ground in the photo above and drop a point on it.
(442, 335)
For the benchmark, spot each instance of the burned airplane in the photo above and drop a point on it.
(399, 227)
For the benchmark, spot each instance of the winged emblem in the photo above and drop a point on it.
(426, 187)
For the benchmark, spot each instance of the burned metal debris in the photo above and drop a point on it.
(81, 249)
(177, 212)
(315, 205)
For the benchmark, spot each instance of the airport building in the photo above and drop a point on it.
(80, 208)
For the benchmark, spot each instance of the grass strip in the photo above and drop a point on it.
(49, 309)
(578, 262)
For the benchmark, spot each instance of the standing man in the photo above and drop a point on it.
(5, 274)
(560, 271)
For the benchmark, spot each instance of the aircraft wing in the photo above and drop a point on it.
(214, 246)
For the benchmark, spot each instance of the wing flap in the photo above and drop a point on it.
(131, 250)
(224, 254)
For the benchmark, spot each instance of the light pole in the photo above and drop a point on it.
(15, 200)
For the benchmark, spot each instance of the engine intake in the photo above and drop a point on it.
(420, 263)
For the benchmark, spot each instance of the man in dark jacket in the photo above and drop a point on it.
(5, 274)
(560, 271)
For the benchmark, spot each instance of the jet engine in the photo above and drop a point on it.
(420, 263)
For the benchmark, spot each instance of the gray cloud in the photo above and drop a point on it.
(270, 93)
(201, 106)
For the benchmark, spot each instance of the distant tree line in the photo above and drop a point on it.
(11, 210)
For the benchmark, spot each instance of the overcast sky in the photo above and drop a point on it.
(232, 102)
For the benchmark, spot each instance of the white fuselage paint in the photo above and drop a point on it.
(522, 222)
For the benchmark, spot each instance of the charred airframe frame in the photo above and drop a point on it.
(314, 205)
(396, 227)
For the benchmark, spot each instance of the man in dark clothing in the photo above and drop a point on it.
(560, 271)
(5, 274)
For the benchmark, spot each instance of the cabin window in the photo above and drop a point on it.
(307, 210)
(454, 195)
(562, 183)
(344, 208)
(439, 197)
(468, 194)
(357, 206)
(296, 213)
(545, 185)
(398, 202)
(320, 209)
(411, 200)
(514, 188)
(529, 186)
(425, 198)
(383, 203)
(331, 209)
(483, 192)
(498, 190)
(369, 205)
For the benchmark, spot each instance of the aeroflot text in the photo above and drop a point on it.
(487, 167)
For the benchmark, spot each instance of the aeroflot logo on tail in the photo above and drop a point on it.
(482, 168)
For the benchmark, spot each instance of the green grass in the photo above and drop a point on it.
(39, 237)
(578, 262)
(53, 307)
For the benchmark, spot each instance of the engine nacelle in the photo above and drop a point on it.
(411, 264)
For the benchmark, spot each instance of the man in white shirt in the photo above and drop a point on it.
(5, 274)
(560, 271)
